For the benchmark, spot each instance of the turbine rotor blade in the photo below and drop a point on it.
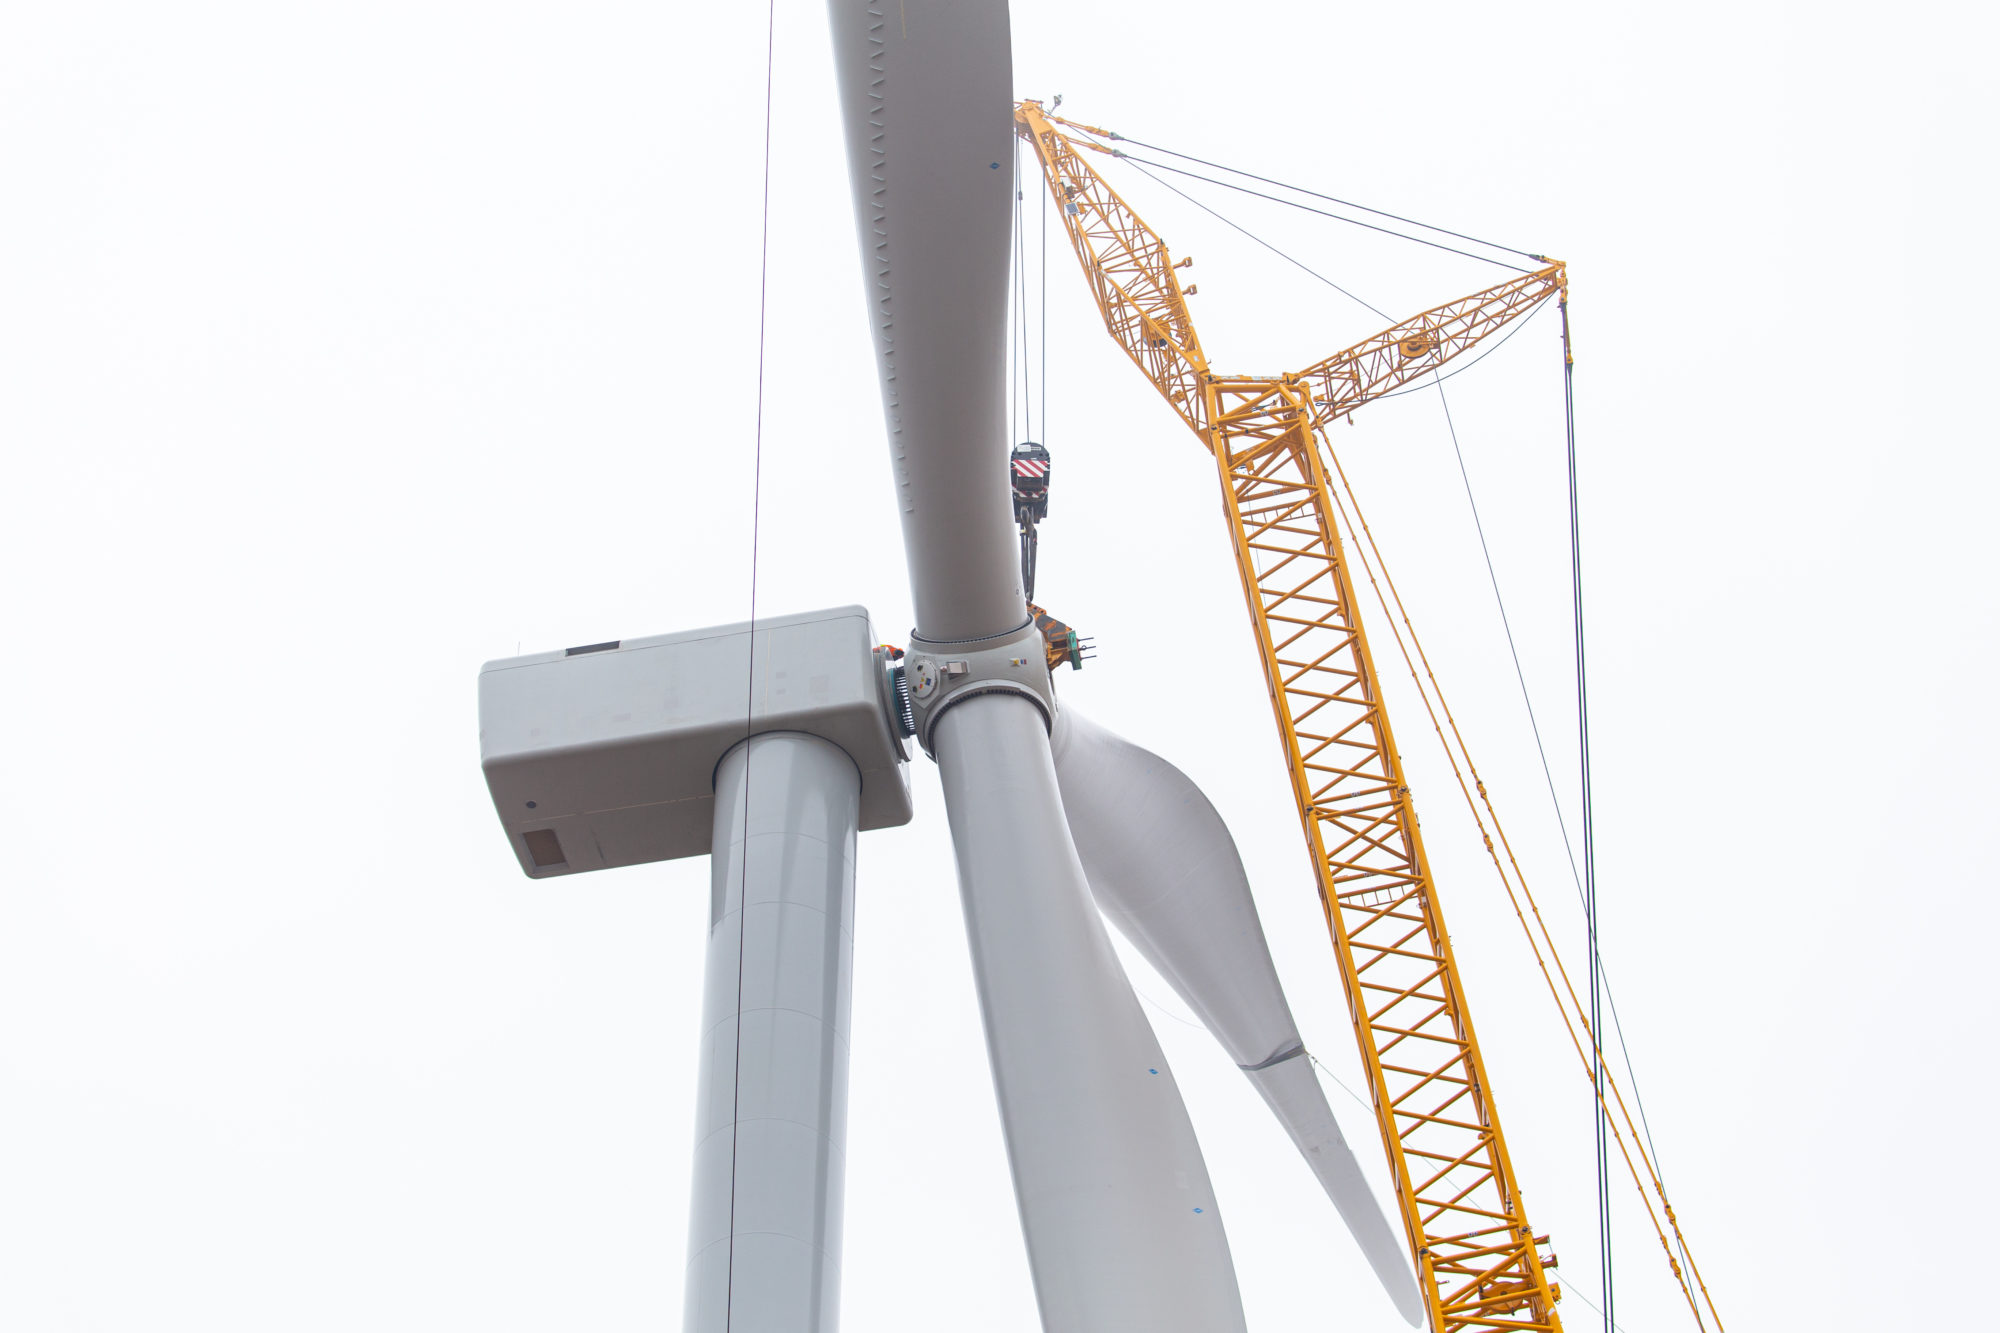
(927, 101)
(1121, 1228)
(1164, 869)
(1116, 1205)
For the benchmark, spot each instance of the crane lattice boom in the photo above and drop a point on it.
(1479, 1263)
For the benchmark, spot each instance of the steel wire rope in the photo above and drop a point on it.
(1300, 189)
(1014, 315)
(750, 671)
(1573, 1290)
(1261, 241)
(1307, 208)
(1340, 1083)
(1606, 1272)
(1027, 420)
(1644, 1127)
(1124, 156)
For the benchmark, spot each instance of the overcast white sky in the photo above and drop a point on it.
(344, 347)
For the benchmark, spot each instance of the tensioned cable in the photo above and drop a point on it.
(750, 682)
(1573, 1290)
(1599, 1112)
(1020, 299)
(1015, 412)
(1340, 1083)
(1596, 981)
(1300, 264)
(1045, 318)
(1308, 208)
(1548, 776)
(1344, 203)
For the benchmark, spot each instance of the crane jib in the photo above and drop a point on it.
(1480, 1264)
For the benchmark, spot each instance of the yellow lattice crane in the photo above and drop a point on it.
(1480, 1265)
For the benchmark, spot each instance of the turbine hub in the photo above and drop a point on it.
(941, 674)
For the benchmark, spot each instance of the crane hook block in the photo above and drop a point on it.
(1028, 467)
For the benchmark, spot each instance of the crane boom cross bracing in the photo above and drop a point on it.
(1479, 1264)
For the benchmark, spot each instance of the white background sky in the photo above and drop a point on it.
(344, 347)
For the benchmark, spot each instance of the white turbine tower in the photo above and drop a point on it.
(1120, 1221)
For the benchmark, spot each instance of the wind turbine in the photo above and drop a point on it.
(770, 745)
(1116, 1207)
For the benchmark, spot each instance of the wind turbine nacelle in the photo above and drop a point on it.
(605, 755)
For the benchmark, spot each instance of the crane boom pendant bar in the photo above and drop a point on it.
(1477, 1258)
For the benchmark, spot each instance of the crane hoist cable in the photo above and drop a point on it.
(1480, 1265)
(1028, 461)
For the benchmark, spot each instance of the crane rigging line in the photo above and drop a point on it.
(1027, 424)
(1572, 1290)
(1014, 315)
(1645, 1126)
(750, 673)
(1306, 208)
(1596, 965)
(1300, 189)
(1372, 309)
(1599, 1116)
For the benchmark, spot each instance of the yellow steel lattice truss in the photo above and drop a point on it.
(1479, 1263)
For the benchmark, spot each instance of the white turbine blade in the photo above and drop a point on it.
(1163, 867)
(1296, 1098)
(1120, 1223)
(926, 97)
(1116, 1206)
